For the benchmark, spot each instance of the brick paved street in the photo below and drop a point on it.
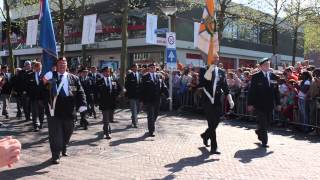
(175, 153)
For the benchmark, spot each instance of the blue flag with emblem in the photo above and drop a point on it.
(47, 36)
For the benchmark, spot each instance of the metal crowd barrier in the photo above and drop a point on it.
(192, 99)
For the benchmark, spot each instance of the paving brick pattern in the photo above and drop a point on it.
(176, 152)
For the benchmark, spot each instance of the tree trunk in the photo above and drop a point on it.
(8, 33)
(61, 23)
(84, 47)
(295, 43)
(124, 49)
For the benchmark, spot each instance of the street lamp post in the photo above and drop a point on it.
(169, 11)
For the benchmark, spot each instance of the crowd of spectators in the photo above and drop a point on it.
(299, 88)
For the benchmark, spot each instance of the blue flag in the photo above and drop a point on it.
(47, 36)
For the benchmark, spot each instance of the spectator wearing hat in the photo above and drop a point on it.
(133, 87)
(25, 99)
(37, 95)
(108, 91)
(262, 96)
(5, 89)
(87, 85)
(151, 89)
(68, 96)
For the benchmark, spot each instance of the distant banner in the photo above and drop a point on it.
(152, 25)
(89, 29)
(32, 31)
(196, 28)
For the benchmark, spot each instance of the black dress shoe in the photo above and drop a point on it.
(264, 145)
(65, 154)
(215, 152)
(151, 135)
(257, 133)
(108, 136)
(55, 161)
(205, 140)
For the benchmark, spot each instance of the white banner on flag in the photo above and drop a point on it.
(89, 29)
(152, 25)
(196, 27)
(32, 31)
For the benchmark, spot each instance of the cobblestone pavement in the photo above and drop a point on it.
(176, 152)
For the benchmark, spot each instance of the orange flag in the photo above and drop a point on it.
(208, 36)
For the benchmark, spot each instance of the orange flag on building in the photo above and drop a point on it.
(208, 35)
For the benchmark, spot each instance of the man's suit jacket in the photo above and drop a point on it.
(151, 90)
(262, 95)
(132, 86)
(221, 87)
(66, 106)
(36, 91)
(108, 98)
(88, 87)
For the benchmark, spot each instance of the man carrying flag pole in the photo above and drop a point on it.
(214, 81)
(66, 92)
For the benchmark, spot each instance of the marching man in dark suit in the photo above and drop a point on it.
(87, 85)
(37, 96)
(95, 77)
(214, 85)
(133, 83)
(108, 91)
(263, 96)
(67, 97)
(152, 88)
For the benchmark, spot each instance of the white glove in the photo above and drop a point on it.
(208, 74)
(231, 103)
(82, 108)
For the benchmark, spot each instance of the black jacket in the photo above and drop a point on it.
(88, 87)
(262, 96)
(7, 84)
(132, 86)
(108, 99)
(66, 106)
(38, 90)
(151, 90)
(221, 87)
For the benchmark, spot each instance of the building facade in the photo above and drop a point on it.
(242, 44)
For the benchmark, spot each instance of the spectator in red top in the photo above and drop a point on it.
(289, 75)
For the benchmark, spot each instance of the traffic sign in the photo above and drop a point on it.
(171, 57)
(161, 31)
(171, 40)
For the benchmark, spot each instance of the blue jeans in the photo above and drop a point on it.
(304, 115)
(135, 108)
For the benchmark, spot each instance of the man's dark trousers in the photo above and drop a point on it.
(152, 113)
(60, 131)
(213, 113)
(37, 108)
(263, 119)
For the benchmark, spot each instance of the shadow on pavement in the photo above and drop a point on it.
(90, 142)
(28, 171)
(189, 161)
(34, 143)
(247, 155)
(129, 140)
(274, 130)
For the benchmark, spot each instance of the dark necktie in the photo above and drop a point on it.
(62, 92)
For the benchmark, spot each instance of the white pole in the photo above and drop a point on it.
(170, 73)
